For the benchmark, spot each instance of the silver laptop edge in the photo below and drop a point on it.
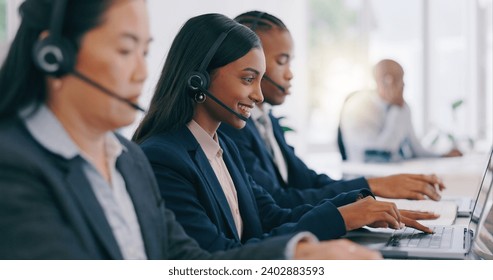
(463, 236)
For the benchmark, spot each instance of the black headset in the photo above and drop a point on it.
(200, 79)
(55, 55)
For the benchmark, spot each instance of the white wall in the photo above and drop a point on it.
(168, 16)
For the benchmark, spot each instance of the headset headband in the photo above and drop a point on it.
(212, 51)
(57, 17)
(55, 55)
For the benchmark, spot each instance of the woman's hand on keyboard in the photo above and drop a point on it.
(410, 186)
(409, 218)
(370, 212)
(373, 213)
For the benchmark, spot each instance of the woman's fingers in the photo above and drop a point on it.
(415, 224)
(419, 215)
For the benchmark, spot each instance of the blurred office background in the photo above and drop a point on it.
(444, 46)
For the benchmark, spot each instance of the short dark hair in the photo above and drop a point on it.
(260, 21)
(171, 105)
(21, 83)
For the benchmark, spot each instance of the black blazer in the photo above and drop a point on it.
(304, 185)
(48, 209)
(191, 189)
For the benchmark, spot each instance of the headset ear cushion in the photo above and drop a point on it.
(55, 57)
(198, 80)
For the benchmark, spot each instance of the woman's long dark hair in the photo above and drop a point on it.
(172, 105)
(21, 83)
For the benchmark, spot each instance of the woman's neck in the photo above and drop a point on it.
(206, 122)
(89, 139)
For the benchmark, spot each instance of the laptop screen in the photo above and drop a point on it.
(483, 241)
(482, 195)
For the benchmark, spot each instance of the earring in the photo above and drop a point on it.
(199, 97)
(55, 84)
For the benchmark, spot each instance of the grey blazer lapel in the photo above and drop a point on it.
(80, 188)
(145, 203)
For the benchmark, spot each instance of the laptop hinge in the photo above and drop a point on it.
(468, 237)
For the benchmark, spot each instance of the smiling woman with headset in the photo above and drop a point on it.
(212, 74)
(70, 188)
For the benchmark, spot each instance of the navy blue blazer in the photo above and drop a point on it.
(49, 211)
(191, 189)
(304, 185)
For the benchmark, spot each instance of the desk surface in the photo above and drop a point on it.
(461, 175)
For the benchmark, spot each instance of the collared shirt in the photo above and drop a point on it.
(214, 153)
(368, 123)
(112, 196)
(263, 123)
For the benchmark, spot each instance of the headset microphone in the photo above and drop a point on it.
(105, 90)
(199, 80)
(55, 55)
(215, 99)
(281, 88)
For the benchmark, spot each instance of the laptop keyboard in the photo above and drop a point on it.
(409, 237)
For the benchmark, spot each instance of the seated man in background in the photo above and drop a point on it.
(376, 124)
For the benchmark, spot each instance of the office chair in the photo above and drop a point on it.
(340, 143)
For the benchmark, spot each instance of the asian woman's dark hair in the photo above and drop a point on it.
(172, 105)
(21, 83)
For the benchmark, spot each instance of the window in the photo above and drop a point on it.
(444, 46)
(9, 21)
(3, 20)
(3, 29)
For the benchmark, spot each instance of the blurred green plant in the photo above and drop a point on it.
(284, 127)
(455, 106)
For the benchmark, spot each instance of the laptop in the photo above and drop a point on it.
(448, 242)
(465, 206)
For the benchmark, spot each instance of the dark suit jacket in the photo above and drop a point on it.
(48, 209)
(304, 185)
(191, 189)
